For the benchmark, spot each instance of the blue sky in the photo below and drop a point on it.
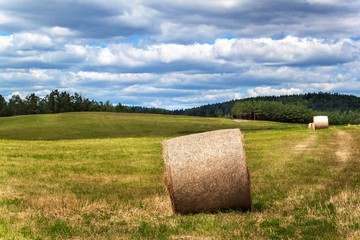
(179, 54)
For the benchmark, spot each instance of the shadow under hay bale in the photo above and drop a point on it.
(206, 172)
(320, 122)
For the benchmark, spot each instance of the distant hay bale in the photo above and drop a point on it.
(320, 122)
(207, 171)
(311, 126)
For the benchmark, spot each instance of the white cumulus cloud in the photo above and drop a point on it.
(172, 53)
(269, 91)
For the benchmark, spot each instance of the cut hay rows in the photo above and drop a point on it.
(207, 171)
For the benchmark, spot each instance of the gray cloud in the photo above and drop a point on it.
(90, 19)
(121, 19)
(262, 18)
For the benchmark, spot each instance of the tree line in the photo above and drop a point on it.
(60, 102)
(209, 110)
(341, 109)
(319, 101)
(289, 112)
(298, 108)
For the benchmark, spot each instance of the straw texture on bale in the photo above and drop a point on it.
(206, 172)
(320, 122)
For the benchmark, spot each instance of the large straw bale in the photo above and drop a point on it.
(207, 171)
(320, 122)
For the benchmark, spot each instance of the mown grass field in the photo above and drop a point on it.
(99, 176)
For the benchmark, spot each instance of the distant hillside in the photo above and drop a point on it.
(287, 108)
(320, 101)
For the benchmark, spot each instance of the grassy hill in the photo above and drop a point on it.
(113, 125)
(99, 176)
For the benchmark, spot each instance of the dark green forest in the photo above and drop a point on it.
(341, 109)
(60, 102)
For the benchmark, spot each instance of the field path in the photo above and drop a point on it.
(306, 144)
(346, 145)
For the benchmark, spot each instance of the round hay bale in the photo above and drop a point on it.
(311, 126)
(206, 172)
(320, 122)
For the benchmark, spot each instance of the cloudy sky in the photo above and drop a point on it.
(179, 54)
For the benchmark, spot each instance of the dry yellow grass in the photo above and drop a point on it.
(113, 189)
(346, 147)
(346, 208)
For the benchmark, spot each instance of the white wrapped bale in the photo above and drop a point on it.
(320, 122)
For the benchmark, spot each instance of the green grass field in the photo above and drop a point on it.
(99, 176)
